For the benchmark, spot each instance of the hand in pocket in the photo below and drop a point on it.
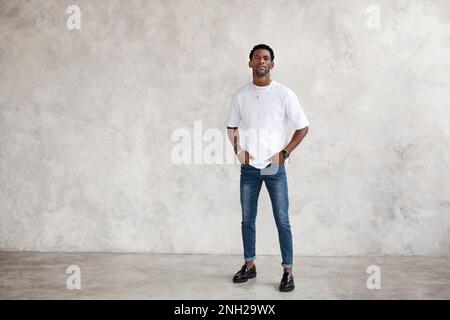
(245, 157)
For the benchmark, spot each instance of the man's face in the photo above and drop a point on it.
(261, 62)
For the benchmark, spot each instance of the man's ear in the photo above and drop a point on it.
(273, 64)
(249, 64)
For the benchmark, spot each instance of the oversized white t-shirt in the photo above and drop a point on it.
(262, 115)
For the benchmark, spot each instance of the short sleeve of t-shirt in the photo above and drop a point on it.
(234, 115)
(294, 111)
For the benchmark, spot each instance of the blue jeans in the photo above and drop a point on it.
(276, 184)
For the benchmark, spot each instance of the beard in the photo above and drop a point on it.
(261, 73)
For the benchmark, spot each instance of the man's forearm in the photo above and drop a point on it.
(233, 136)
(296, 139)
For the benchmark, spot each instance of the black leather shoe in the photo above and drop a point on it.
(287, 282)
(244, 274)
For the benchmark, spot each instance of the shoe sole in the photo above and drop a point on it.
(245, 279)
(289, 289)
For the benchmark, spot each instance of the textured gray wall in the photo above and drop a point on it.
(87, 116)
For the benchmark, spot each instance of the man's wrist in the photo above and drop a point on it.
(285, 153)
(237, 148)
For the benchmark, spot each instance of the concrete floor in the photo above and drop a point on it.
(27, 275)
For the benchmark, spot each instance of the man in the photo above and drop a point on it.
(257, 125)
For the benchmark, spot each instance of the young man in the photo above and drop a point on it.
(257, 126)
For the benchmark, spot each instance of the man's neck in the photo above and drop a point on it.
(262, 81)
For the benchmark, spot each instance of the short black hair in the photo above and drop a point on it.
(262, 46)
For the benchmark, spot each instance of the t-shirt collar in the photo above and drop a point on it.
(259, 88)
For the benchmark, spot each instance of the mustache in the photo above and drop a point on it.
(259, 69)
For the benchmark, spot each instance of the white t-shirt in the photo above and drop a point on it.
(262, 116)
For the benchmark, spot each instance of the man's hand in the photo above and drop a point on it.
(243, 156)
(247, 157)
(277, 159)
